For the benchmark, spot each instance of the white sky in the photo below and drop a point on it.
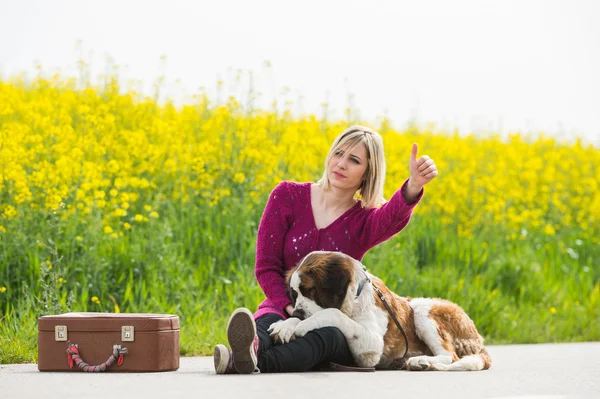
(478, 65)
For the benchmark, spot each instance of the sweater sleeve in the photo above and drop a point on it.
(270, 268)
(384, 222)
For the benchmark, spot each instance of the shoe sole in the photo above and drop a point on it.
(241, 330)
(221, 359)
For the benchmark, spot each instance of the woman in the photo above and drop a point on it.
(303, 217)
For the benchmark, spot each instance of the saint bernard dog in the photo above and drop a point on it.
(331, 289)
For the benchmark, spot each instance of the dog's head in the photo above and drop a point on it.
(320, 281)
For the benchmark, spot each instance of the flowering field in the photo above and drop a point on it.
(111, 202)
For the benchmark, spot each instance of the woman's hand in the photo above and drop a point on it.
(422, 171)
(289, 309)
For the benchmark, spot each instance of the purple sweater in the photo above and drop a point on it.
(287, 232)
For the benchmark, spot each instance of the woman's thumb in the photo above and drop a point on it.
(413, 155)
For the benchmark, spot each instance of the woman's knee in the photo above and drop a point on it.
(335, 345)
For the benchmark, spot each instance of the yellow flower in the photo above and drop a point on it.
(95, 300)
(113, 192)
(147, 208)
(239, 178)
(9, 212)
(62, 280)
(154, 215)
(108, 229)
(3, 289)
(2, 229)
(127, 226)
(139, 218)
(549, 230)
(113, 166)
(553, 310)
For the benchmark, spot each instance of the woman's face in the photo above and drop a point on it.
(346, 171)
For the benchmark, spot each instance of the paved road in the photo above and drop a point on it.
(518, 371)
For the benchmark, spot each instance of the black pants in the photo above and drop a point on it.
(316, 348)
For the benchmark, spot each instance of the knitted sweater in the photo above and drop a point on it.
(287, 233)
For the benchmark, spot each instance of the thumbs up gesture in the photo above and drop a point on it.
(422, 170)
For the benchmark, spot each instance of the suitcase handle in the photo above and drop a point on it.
(73, 355)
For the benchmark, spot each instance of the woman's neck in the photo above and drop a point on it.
(335, 199)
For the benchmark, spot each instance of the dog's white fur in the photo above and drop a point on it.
(364, 324)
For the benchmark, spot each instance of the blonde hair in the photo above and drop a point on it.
(371, 190)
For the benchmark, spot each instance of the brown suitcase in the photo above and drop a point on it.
(95, 342)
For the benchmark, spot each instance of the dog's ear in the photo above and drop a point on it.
(288, 275)
(338, 279)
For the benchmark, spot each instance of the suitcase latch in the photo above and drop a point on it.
(60, 333)
(127, 333)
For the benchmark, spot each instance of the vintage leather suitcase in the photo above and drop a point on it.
(94, 342)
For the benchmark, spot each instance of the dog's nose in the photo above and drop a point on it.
(299, 313)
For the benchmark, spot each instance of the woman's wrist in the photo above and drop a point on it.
(411, 191)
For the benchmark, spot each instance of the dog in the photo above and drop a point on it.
(331, 289)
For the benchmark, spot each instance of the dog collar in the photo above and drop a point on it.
(361, 285)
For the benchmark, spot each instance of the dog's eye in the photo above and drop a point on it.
(294, 295)
(307, 291)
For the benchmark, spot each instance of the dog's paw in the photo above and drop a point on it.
(419, 363)
(282, 331)
(303, 328)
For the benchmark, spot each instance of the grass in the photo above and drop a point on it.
(201, 268)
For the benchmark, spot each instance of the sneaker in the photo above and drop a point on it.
(223, 359)
(241, 334)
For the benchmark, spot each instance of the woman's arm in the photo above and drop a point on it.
(269, 269)
(383, 223)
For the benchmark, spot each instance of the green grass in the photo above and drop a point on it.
(18, 338)
(198, 263)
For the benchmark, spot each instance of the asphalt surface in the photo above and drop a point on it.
(518, 371)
